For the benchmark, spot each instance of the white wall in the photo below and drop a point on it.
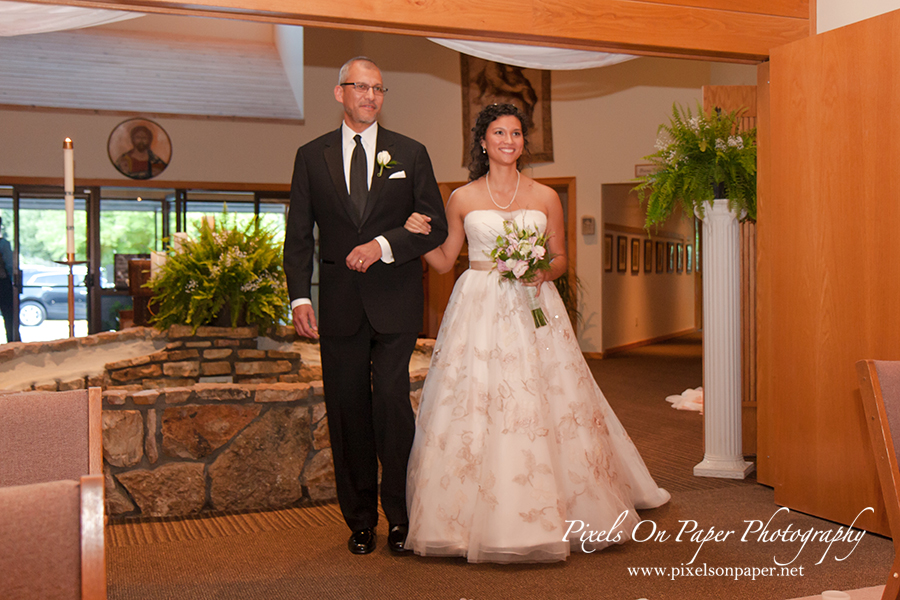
(831, 14)
(604, 122)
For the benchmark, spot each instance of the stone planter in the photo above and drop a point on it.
(173, 446)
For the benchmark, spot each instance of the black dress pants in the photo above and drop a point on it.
(370, 419)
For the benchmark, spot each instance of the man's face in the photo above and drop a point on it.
(140, 140)
(360, 110)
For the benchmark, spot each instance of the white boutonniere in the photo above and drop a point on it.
(383, 159)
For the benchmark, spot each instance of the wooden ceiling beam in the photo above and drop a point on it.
(733, 30)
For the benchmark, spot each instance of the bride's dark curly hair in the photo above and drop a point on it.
(478, 160)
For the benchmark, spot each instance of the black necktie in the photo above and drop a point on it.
(359, 187)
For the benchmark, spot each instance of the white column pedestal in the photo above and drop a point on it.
(722, 345)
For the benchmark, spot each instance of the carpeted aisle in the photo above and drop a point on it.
(282, 555)
(301, 553)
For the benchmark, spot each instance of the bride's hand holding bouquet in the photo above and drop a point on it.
(521, 255)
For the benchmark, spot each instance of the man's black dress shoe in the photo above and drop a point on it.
(397, 538)
(362, 541)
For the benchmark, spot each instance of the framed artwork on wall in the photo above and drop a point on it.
(689, 258)
(635, 255)
(670, 252)
(485, 82)
(697, 257)
(622, 254)
(607, 252)
(660, 257)
(648, 256)
(139, 148)
(680, 251)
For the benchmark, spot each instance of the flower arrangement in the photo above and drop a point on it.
(228, 268)
(518, 255)
(700, 158)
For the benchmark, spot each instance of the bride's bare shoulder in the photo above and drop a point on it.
(464, 196)
(542, 191)
(545, 196)
(466, 191)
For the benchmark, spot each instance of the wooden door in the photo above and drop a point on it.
(828, 275)
(730, 98)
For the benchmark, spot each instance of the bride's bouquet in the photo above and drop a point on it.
(518, 255)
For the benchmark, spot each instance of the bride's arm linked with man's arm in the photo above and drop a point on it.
(442, 258)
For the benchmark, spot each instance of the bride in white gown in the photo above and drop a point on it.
(514, 440)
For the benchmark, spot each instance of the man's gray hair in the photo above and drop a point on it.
(342, 76)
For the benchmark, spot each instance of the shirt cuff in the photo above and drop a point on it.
(299, 302)
(387, 255)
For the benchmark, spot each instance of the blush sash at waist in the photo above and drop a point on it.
(481, 265)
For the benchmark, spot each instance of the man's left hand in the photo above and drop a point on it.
(364, 256)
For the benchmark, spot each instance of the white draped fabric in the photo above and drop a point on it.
(21, 18)
(534, 57)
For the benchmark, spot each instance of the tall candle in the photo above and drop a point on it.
(69, 183)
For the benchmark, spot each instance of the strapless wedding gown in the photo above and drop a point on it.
(514, 439)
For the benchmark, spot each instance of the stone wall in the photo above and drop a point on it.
(212, 447)
(174, 447)
(222, 353)
(68, 364)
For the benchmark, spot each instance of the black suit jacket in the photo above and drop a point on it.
(390, 295)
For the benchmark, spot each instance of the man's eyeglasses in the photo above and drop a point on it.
(363, 88)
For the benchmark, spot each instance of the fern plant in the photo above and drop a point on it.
(700, 158)
(229, 269)
(570, 289)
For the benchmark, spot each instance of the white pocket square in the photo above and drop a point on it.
(398, 175)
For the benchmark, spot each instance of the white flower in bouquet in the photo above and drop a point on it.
(518, 255)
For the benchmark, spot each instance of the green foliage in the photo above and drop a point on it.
(570, 288)
(127, 232)
(229, 267)
(42, 235)
(700, 158)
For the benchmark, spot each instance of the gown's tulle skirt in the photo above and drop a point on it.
(515, 444)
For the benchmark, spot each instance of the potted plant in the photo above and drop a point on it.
(708, 168)
(230, 275)
(701, 158)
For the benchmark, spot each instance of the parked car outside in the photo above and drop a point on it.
(45, 295)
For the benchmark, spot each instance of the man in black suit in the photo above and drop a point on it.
(359, 184)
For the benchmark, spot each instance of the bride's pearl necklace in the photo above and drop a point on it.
(488, 182)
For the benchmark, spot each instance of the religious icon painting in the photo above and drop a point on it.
(486, 82)
(139, 148)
